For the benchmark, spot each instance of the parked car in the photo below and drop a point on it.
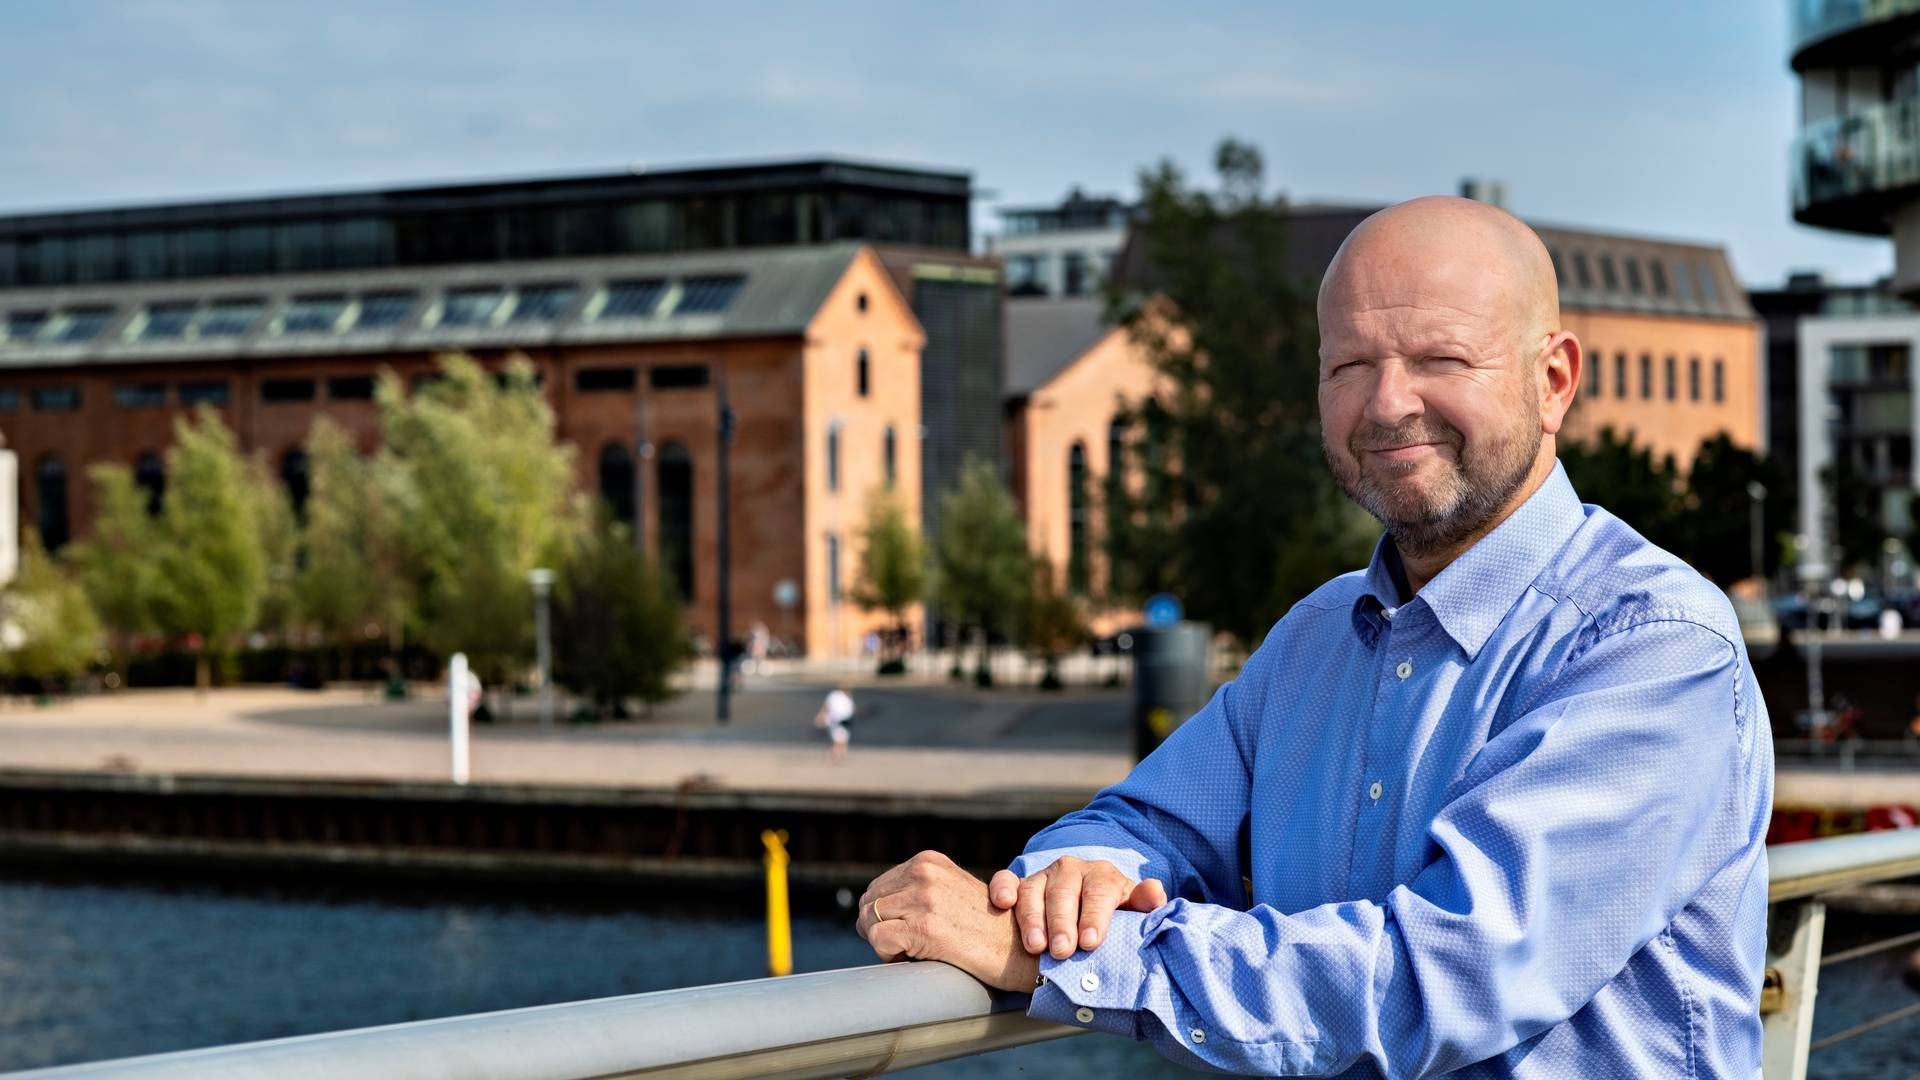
(1864, 613)
(1790, 611)
(1907, 603)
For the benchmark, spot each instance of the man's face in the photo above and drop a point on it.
(1429, 406)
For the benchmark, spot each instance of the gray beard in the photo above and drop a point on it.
(1472, 499)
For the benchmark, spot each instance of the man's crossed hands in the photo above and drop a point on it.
(928, 908)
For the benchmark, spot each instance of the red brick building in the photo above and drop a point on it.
(816, 347)
(837, 301)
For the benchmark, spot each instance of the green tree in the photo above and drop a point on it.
(118, 562)
(893, 566)
(980, 558)
(1235, 510)
(48, 628)
(1720, 512)
(341, 586)
(211, 570)
(473, 492)
(1615, 472)
(619, 633)
(1051, 625)
(279, 539)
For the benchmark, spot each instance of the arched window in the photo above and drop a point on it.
(834, 594)
(1596, 365)
(1077, 561)
(1620, 375)
(150, 474)
(1118, 503)
(863, 373)
(833, 456)
(616, 481)
(1693, 378)
(1646, 377)
(673, 487)
(1154, 422)
(1719, 365)
(888, 450)
(50, 501)
(296, 477)
(1673, 379)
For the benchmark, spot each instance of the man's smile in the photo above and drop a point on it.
(1408, 452)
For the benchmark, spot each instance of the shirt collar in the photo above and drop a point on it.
(1475, 591)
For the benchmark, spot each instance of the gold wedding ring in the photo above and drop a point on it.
(875, 904)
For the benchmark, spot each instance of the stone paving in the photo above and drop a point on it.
(907, 740)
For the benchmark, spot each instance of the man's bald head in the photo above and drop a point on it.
(1444, 372)
(1450, 250)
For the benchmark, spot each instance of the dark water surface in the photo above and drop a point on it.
(95, 969)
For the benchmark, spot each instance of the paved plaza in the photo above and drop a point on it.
(908, 739)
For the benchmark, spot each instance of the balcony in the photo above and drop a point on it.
(1853, 172)
(1830, 32)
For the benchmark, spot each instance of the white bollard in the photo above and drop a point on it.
(459, 706)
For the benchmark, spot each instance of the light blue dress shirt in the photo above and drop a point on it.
(1513, 826)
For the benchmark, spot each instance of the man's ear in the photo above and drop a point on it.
(1560, 368)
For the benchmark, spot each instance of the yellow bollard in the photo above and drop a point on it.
(779, 922)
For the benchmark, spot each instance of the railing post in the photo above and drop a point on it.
(1794, 932)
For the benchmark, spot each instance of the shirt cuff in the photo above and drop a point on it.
(1099, 989)
(1129, 863)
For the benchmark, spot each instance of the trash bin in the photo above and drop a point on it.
(1169, 681)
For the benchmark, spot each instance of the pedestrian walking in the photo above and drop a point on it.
(836, 712)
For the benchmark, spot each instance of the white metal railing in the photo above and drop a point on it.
(870, 1020)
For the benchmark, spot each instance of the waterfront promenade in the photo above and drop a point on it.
(908, 739)
(917, 737)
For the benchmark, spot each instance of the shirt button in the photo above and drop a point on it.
(1405, 669)
(1089, 981)
(1197, 1035)
(1374, 791)
(1083, 1014)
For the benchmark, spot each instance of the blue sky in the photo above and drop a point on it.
(1663, 118)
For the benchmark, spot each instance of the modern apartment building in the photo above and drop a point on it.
(1856, 162)
(1061, 251)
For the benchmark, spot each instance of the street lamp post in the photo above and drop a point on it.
(1757, 492)
(724, 579)
(1814, 574)
(541, 579)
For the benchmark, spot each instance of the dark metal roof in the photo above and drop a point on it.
(1315, 233)
(1045, 336)
(780, 289)
(637, 182)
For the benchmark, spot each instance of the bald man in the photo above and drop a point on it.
(1494, 806)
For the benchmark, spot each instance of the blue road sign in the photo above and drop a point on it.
(1163, 609)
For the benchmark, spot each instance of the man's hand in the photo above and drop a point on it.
(928, 908)
(1069, 904)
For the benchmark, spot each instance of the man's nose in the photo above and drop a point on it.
(1393, 400)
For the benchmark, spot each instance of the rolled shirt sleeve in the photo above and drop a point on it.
(1576, 835)
(1168, 820)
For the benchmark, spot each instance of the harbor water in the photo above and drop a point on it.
(93, 968)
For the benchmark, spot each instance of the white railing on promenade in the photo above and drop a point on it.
(869, 1020)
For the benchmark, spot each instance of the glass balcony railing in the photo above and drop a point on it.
(1871, 152)
(1815, 19)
